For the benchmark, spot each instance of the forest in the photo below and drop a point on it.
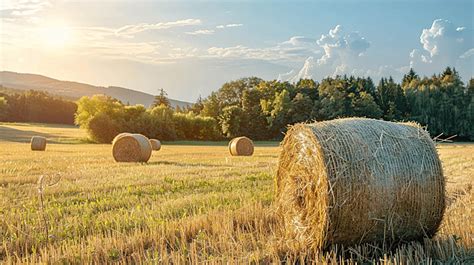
(35, 106)
(262, 110)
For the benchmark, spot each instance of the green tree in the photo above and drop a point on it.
(101, 116)
(306, 83)
(467, 124)
(161, 99)
(197, 107)
(211, 106)
(254, 123)
(162, 123)
(276, 111)
(410, 79)
(363, 105)
(231, 121)
(190, 126)
(391, 99)
(231, 93)
(3, 109)
(334, 100)
(102, 128)
(301, 107)
(88, 107)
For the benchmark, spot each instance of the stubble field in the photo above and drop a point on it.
(191, 203)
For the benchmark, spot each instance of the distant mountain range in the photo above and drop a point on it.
(76, 90)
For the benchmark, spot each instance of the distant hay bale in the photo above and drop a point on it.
(128, 147)
(241, 146)
(356, 180)
(38, 143)
(155, 144)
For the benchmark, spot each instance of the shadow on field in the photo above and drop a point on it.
(179, 164)
(20, 136)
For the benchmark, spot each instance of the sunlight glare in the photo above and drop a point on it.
(57, 36)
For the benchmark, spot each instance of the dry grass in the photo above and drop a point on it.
(188, 204)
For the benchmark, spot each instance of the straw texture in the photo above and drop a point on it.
(241, 146)
(131, 148)
(155, 144)
(120, 135)
(350, 181)
(38, 143)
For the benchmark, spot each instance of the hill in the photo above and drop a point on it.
(76, 90)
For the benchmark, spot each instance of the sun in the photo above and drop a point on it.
(57, 36)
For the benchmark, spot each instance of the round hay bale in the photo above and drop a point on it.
(356, 180)
(241, 146)
(38, 143)
(118, 136)
(131, 148)
(155, 144)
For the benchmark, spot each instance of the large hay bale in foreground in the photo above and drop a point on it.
(350, 181)
(241, 146)
(155, 144)
(128, 147)
(38, 143)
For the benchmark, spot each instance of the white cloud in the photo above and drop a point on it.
(233, 25)
(444, 44)
(467, 54)
(23, 7)
(293, 50)
(275, 53)
(201, 32)
(229, 26)
(300, 40)
(286, 76)
(306, 71)
(341, 47)
(22, 10)
(342, 52)
(442, 35)
(130, 30)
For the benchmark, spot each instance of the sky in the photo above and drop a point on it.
(190, 48)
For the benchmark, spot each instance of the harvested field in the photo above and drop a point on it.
(191, 203)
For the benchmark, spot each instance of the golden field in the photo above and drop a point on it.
(191, 203)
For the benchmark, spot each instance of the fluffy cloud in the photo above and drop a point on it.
(306, 71)
(342, 52)
(340, 47)
(443, 35)
(444, 44)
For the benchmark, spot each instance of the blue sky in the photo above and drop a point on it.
(190, 48)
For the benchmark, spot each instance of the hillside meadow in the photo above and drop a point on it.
(191, 203)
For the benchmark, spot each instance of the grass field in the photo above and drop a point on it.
(192, 203)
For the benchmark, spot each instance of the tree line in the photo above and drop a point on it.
(36, 106)
(104, 117)
(262, 110)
